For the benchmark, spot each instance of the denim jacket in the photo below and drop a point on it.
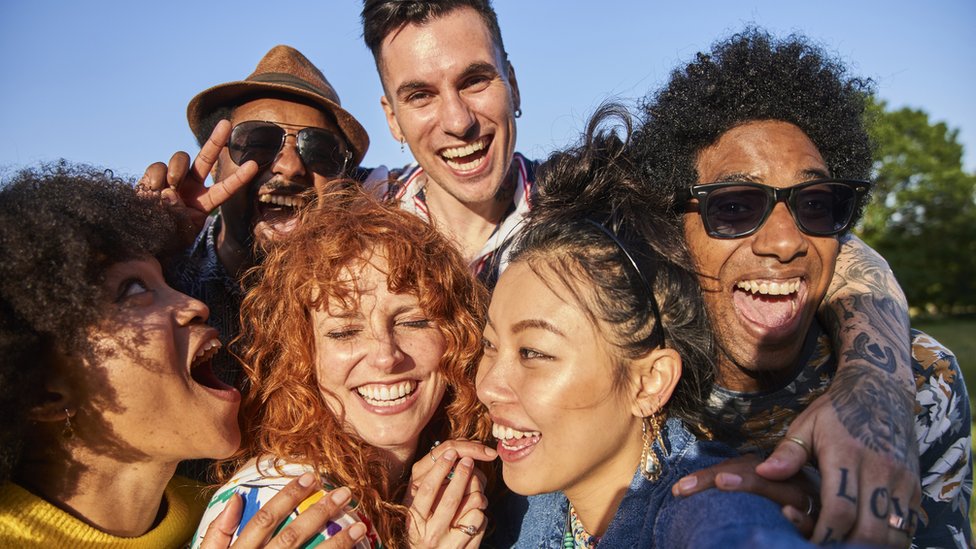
(649, 516)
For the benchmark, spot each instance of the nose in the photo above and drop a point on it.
(491, 381)
(456, 116)
(780, 237)
(189, 310)
(385, 353)
(288, 163)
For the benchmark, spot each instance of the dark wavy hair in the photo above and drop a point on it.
(586, 192)
(284, 414)
(748, 77)
(61, 227)
(381, 17)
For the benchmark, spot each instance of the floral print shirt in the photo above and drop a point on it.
(943, 424)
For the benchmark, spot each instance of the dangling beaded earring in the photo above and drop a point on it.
(651, 430)
(67, 432)
(402, 143)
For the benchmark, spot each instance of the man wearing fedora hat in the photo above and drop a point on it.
(266, 140)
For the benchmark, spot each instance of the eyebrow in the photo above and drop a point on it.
(410, 86)
(538, 324)
(480, 67)
(803, 175)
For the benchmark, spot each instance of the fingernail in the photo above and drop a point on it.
(340, 496)
(792, 515)
(773, 462)
(357, 531)
(306, 480)
(450, 455)
(467, 462)
(728, 480)
(687, 483)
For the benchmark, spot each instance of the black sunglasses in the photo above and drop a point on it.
(322, 151)
(822, 207)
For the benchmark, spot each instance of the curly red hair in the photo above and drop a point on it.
(283, 414)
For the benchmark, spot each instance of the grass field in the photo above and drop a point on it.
(959, 335)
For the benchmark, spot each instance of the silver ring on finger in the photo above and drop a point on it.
(811, 506)
(467, 529)
(431, 453)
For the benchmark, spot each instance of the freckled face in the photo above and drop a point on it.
(762, 291)
(379, 359)
(451, 95)
(547, 380)
(151, 371)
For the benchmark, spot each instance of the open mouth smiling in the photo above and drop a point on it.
(467, 157)
(387, 395)
(201, 368)
(514, 440)
(768, 302)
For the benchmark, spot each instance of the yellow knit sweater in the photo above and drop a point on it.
(28, 521)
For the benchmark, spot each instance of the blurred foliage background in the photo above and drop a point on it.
(922, 219)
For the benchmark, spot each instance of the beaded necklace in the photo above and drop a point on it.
(575, 536)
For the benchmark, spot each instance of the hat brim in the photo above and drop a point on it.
(230, 93)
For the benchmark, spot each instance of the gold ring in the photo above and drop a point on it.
(800, 442)
(467, 529)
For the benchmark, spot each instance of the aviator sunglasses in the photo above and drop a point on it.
(322, 151)
(822, 207)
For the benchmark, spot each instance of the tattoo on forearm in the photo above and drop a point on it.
(872, 353)
(877, 411)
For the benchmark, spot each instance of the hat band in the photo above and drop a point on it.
(290, 80)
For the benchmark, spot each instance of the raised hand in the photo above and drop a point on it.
(180, 184)
(446, 498)
(258, 531)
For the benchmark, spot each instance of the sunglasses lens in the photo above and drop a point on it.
(322, 152)
(824, 209)
(257, 141)
(735, 210)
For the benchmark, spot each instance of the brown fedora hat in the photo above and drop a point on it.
(283, 70)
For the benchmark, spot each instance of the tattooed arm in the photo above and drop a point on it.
(861, 431)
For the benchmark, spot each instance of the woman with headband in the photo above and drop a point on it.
(597, 358)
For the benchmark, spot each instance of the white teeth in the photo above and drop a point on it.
(387, 395)
(769, 287)
(290, 201)
(457, 152)
(207, 349)
(502, 432)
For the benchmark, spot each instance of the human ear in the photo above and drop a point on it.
(58, 398)
(391, 120)
(654, 377)
(513, 84)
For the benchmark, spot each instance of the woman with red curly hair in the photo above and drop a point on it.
(362, 333)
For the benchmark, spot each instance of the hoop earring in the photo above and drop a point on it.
(651, 430)
(518, 112)
(67, 432)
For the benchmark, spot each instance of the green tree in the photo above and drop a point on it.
(922, 216)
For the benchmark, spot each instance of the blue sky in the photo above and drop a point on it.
(107, 82)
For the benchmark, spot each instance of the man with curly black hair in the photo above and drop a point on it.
(759, 149)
